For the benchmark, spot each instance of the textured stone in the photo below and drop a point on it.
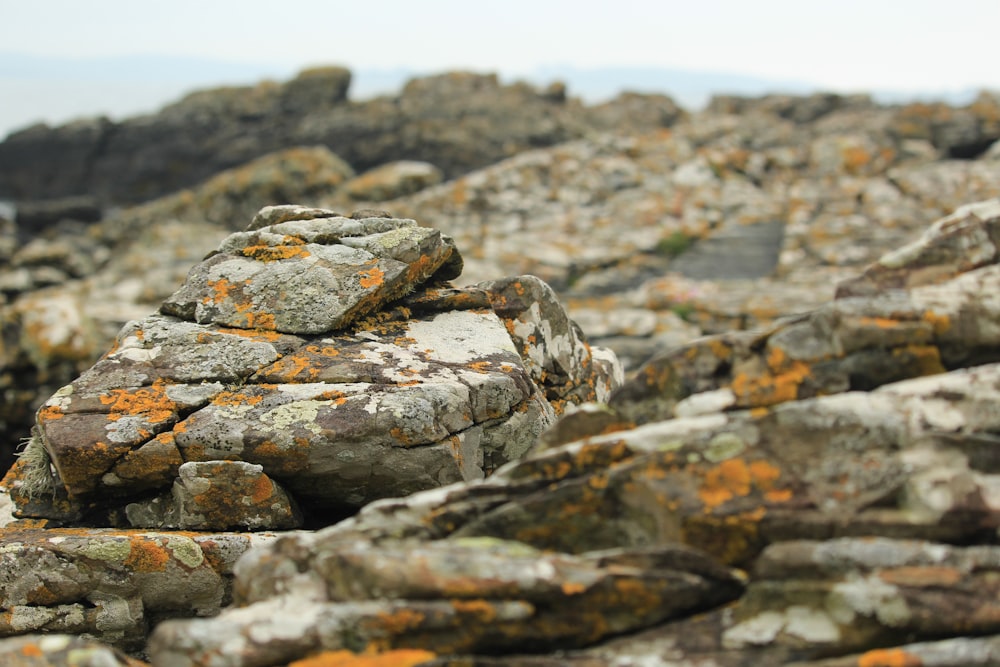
(262, 389)
(461, 596)
(112, 585)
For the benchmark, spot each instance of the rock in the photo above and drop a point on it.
(316, 362)
(457, 121)
(113, 586)
(855, 342)
(33, 217)
(864, 520)
(61, 651)
(393, 180)
(965, 240)
(800, 109)
(463, 596)
(963, 133)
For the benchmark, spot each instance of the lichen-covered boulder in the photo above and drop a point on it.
(310, 365)
(113, 585)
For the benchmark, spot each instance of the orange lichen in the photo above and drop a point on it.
(236, 398)
(150, 402)
(32, 651)
(261, 490)
(220, 290)
(254, 319)
(855, 158)
(767, 389)
(940, 323)
(266, 253)
(401, 620)
(397, 658)
(889, 657)
(878, 322)
(725, 481)
(936, 576)
(147, 555)
(372, 277)
(570, 588)
(50, 413)
(481, 610)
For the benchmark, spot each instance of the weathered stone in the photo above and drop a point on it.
(112, 585)
(443, 386)
(218, 494)
(392, 180)
(56, 650)
(446, 597)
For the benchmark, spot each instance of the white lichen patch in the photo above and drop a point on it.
(461, 337)
(705, 403)
(113, 550)
(301, 414)
(870, 597)
(185, 550)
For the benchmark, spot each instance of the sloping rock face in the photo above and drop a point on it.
(310, 365)
(842, 524)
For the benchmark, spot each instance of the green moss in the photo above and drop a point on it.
(674, 245)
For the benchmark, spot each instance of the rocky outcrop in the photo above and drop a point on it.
(456, 121)
(849, 526)
(310, 365)
(303, 370)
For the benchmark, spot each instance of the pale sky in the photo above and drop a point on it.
(846, 45)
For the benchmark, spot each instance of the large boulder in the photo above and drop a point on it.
(311, 364)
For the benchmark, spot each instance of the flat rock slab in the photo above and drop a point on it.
(479, 595)
(309, 276)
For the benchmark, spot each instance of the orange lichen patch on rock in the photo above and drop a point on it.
(253, 334)
(261, 490)
(220, 290)
(571, 588)
(889, 657)
(770, 389)
(254, 319)
(855, 158)
(50, 413)
(922, 576)
(292, 367)
(268, 253)
(878, 322)
(725, 481)
(372, 277)
(396, 658)
(32, 651)
(147, 555)
(735, 478)
(481, 610)
(939, 323)
(420, 269)
(150, 402)
(236, 398)
(400, 621)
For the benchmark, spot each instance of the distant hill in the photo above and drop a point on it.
(57, 90)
